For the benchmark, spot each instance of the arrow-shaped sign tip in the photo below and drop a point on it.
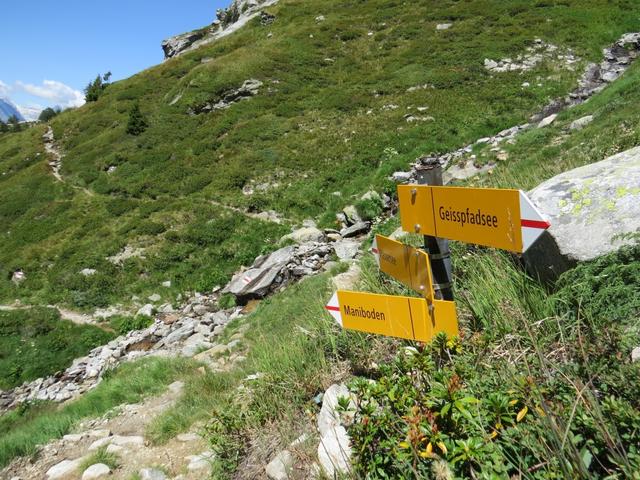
(333, 307)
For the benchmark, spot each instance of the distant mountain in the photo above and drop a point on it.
(30, 112)
(7, 109)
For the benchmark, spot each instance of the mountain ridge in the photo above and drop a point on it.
(9, 109)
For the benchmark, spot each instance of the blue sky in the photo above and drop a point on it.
(50, 50)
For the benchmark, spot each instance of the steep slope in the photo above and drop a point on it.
(297, 116)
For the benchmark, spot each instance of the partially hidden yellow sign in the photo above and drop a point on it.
(499, 218)
(409, 265)
(392, 315)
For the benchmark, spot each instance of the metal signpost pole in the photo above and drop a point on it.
(430, 173)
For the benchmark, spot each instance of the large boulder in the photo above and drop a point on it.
(258, 280)
(593, 210)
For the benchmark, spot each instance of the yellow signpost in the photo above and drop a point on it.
(499, 218)
(392, 315)
(405, 263)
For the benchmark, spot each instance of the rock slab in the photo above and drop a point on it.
(593, 210)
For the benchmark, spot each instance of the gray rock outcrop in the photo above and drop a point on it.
(248, 89)
(593, 210)
(175, 45)
(228, 21)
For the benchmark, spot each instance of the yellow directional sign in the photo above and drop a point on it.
(392, 315)
(409, 265)
(493, 217)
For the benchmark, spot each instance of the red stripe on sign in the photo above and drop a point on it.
(374, 250)
(535, 224)
(334, 309)
(247, 280)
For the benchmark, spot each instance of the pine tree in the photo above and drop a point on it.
(137, 123)
(47, 114)
(93, 91)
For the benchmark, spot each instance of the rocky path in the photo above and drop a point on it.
(55, 163)
(65, 314)
(54, 153)
(268, 216)
(120, 432)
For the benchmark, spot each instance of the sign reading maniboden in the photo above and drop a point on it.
(409, 265)
(392, 315)
(499, 218)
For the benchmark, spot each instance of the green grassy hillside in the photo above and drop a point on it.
(330, 117)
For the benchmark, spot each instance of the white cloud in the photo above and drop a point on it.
(54, 91)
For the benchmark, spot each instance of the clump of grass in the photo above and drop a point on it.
(100, 456)
(123, 324)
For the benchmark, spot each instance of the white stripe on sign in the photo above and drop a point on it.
(333, 307)
(532, 222)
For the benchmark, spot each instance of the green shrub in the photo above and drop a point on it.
(435, 413)
(227, 301)
(370, 208)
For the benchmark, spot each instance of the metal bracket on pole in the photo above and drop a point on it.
(429, 172)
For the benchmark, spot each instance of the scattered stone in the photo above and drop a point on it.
(147, 310)
(87, 272)
(98, 470)
(281, 466)
(401, 177)
(351, 214)
(320, 18)
(444, 26)
(547, 120)
(100, 443)
(346, 249)
(305, 235)
(334, 451)
(200, 310)
(18, 277)
(188, 437)
(354, 230)
(73, 437)
(593, 210)
(154, 298)
(349, 279)
(635, 354)
(128, 441)
(580, 123)
(328, 418)
(151, 474)
(201, 461)
(115, 449)
(62, 470)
